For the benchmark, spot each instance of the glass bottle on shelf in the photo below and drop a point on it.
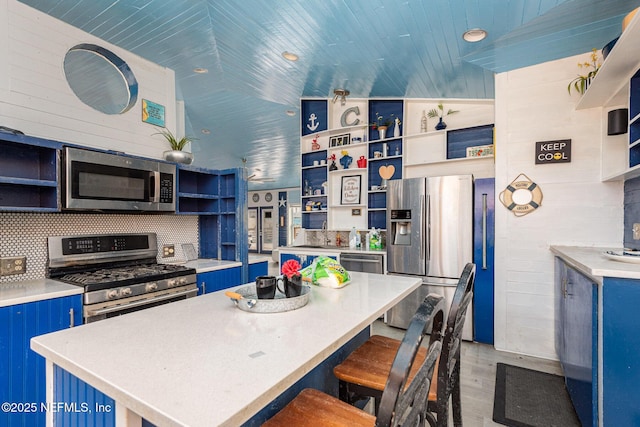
(307, 188)
(423, 122)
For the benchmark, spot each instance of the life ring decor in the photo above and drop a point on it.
(522, 182)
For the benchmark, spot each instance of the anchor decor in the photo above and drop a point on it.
(314, 124)
(313, 116)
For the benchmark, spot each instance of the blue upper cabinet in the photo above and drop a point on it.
(314, 116)
(198, 191)
(29, 170)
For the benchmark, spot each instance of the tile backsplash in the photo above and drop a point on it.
(26, 234)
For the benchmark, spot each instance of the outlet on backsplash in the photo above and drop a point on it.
(636, 230)
(13, 265)
(168, 251)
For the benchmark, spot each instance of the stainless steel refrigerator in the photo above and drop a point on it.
(430, 235)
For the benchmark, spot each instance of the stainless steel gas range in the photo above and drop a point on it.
(119, 273)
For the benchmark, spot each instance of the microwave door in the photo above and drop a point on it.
(103, 181)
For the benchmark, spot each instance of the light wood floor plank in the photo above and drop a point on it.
(478, 375)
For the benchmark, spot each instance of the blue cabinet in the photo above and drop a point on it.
(22, 371)
(304, 259)
(29, 169)
(620, 347)
(258, 269)
(483, 257)
(216, 280)
(576, 338)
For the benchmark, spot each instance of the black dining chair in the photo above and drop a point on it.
(401, 403)
(364, 372)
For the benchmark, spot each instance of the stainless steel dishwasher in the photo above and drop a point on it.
(366, 262)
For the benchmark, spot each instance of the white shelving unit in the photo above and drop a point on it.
(609, 90)
(419, 153)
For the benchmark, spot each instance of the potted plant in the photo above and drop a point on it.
(439, 114)
(382, 124)
(176, 154)
(581, 83)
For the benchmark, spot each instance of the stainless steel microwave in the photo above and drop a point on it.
(110, 182)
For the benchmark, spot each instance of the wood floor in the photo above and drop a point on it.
(478, 375)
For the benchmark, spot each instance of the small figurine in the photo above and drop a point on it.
(333, 166)
(346, 159)
(314, 144)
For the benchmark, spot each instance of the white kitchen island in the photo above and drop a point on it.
(204, 362)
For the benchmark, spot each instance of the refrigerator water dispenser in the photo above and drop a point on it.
(401, 227)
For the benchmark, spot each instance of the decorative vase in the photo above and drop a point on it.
(178, 156)
(362, 162)
(441, 125)
(396, 129)
(382, 132)
(345, 161)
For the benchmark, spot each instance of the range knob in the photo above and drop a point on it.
(151, 287)
(172, 282)
(183, 280)
(125, 292)
(112, 294)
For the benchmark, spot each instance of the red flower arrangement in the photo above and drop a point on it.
(291, 268)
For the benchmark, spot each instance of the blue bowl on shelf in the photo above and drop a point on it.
(607, 48)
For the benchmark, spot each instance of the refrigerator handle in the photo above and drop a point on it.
(484, 231)
(428, 222)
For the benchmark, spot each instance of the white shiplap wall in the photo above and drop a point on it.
(35, 97)
(532, 104)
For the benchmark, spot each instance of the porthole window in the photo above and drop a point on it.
(100, 79)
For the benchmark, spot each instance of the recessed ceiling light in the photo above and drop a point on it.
(290, 113)
(474, 35)
(205, 131)
(289, 56)
(200, 70)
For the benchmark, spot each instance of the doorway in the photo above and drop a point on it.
(260, 230)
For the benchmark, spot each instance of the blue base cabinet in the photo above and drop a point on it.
(620, 348)
(258, 269)
(583, 308)
(216, 280)
(576, 339)
(22, 371)
(304, 259)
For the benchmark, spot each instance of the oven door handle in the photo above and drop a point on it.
(137, 303)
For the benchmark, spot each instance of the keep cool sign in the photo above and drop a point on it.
(553, 151)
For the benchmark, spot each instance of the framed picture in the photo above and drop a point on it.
(340, 140)
(350, 190)
(356, 212)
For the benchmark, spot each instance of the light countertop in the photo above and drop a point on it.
(35, 290)
(592, 262)
(329, 249)
(204, 265)
(257, 258)
(204, 362)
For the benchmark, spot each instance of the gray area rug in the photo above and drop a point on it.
(528, 398)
